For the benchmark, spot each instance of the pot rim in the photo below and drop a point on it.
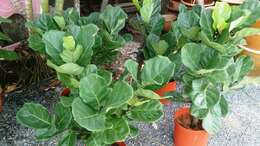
(182, 111)
(189, 4)
(251, 50)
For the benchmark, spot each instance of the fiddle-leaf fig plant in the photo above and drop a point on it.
(210, 57)
(100, 111)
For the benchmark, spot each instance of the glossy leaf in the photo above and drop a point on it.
(86, 117)
(211, 123)
(93, 88)
(68, 140)
(147, 112)
(63, 116)
(157, 70)
(121, 93)
(221, 13)
(34, 116)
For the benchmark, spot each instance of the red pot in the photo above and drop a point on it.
(117, 144)
(168, 19)
(188, 137)
(65, 92)
(169, 87)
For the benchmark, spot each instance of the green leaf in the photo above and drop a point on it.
(86, 117)
(147, 94)
(106, 75)
(34, 116)
(137, 4)
(199, 112)
(66, 101)
(132, 68)
(96, 139)
(93, 88)
(4, 37)
(69, 139)
(53, 40)
(118, 132)
(68, 81)
(147, 112)
(211, 123)
(245, 33)
(203, 37)
(46, 133)
(69, 43)
(86, 38)
(191, 55)
(147, 10)
(160, 47)
(71, 69)
(8, 55)
(206, 23)
(157, 70)
(120, 95)
(114, 19)
(63, 116)
(60, 21)
(221, 13)
(36, 43)
(133, 131)
(244, 64)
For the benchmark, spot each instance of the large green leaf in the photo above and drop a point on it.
(114, 19)
(118, 132)
(150, 8)
(148, 112)
(63, 116)
(147, 94)
(244, 64)
(132, 68)
(191, 55)
(36, 43)
(68, 140)
(221, 13)
(120, 95)
(86, 117)
(53, 40)
(211, 123)
(34, 116)
(68, 68)
(93, 88)
(86, 38)
(206, 23)
(157, 70)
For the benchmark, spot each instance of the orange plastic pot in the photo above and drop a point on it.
(117, 144)
(169, 87)
(188, 137)
(253, 42)
(168, 18)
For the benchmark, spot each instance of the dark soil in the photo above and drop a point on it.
(187, 120)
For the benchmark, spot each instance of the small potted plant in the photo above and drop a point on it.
(212, 67)
(155, 40)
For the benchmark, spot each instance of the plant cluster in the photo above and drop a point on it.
(203, 45)
(209, 42)
(99, 111)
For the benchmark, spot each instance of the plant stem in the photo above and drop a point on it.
(29, 10)
(45, 6)
(194, 122)
(77, 5)
(59, 7)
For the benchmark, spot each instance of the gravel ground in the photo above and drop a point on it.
(240, 128)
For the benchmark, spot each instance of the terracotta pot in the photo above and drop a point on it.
(255, 55)
(188, 137)
(65, 92)
(169, 87)
(191, 3)
(168, 19)
(254, 41)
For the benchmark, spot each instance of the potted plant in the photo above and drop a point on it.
(212, 67)
(151, 26)
(99, 111)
